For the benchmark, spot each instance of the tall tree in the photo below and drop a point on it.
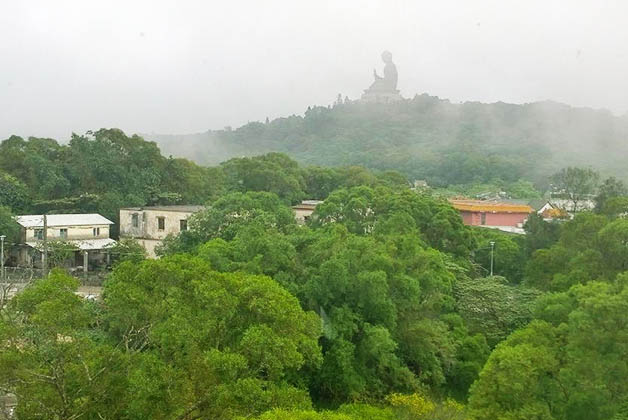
(568, 364)
(610, 189)
(577, 184)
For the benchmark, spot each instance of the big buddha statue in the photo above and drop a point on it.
(384, 89)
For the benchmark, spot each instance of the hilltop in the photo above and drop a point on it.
(428, 138)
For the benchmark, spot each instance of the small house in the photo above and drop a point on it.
(150, 225)
(86, 235)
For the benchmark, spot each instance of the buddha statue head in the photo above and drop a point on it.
(387, 57)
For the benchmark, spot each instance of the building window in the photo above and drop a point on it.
(482, 218)
(96, 231)
(161, 223)
(63, 233)
(39, 234)
(183, 225)
(135, 220)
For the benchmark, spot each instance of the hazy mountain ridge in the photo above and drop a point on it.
(428, 137)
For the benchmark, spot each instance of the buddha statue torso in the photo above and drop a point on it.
(388, 83)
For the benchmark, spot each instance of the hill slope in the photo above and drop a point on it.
(431, 138)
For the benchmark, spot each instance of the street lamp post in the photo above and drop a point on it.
(492, 247)
(2, 256)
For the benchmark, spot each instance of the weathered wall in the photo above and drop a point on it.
(148, 223)
(147, 231)
(74, 232)
(301, 215)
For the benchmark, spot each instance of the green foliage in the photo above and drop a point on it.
(568, 364)
(539, 233)
(576, 184)
(590, 247)
(508, 254)
(364, 210)
(216, 344)
(13, 193)
(127, 249)
(379, 291)
(230, 214)
(493, 307)
(428, 138)
(396, 407)
(98, 172)
(8, 226)
(372, 309)
(60, 253)
(273, 172)
(51, 361)
(610, 189)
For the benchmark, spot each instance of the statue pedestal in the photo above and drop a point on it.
(381, 96)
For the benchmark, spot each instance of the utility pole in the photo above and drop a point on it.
(2, 256)
(492, 247)
(45, 262)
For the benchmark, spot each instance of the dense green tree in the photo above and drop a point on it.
(568, 364)
(429, 138)
(578, 256)
(127, 249)
(380, 297)
(396, 407)
(13, 193)
(493, 307)
(539, 233)
(52, 361)
(98, 172)
(609, 189)
(615, 207)
(230, 214)
(576, 184)
(36, 163)
(216, 345)
(508, 254)
(273, 172)
(8, 227)
(362, 209)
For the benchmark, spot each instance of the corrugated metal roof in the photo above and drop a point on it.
(490, 206)
(36, 221)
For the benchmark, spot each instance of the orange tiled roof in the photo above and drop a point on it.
(490, 206)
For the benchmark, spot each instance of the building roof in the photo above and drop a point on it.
(180, 208)
(81, 244)
(307, 204)
(53, 220)
(490, 206)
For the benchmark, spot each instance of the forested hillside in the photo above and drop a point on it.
(429, 138)
(380, 307)
(105, 170)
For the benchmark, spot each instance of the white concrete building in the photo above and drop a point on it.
(150, 225)
(88, 233)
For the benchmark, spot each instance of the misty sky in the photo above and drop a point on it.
(188, 66)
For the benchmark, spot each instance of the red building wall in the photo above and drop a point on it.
(493, 219)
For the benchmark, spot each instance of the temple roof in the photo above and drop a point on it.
(490, 206)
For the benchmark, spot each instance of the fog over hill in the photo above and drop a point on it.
(428, 137)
